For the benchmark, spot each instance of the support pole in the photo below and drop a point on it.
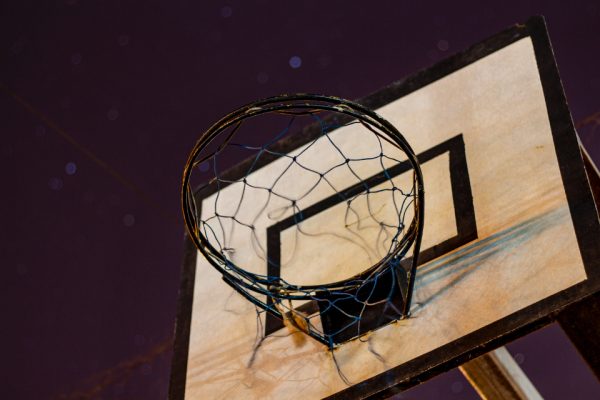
(497, 376)
(580, 321)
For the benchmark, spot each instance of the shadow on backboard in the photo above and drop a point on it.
(453, 268)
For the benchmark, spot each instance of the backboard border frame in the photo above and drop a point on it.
(581, 204)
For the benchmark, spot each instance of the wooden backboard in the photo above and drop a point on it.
(511, 237)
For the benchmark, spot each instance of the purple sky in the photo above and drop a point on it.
(104, 101)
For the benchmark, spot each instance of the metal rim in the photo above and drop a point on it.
(412, 236)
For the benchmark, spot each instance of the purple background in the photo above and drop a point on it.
(105, 99)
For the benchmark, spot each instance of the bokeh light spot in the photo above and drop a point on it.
(71, 168)
(112, 114)
(226, 12)
(76, 59)
(18, 46)
(146, 369)
(139, 340)
(433, 54)
(457, 387)
(55, 183)
(123, 40)
(128, 220)
(295, 62)
(204, 166)
(262, 78)
(519, 358)
(324, 61)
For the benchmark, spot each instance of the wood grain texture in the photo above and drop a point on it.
(524, 229)
(536, 249)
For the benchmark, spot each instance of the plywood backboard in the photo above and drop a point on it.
(508, 210)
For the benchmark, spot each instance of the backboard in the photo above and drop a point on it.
(511, 237)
